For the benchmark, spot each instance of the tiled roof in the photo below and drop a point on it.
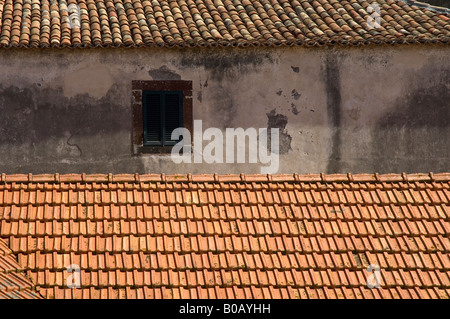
(105, 23)
(230, 236)
(13, 283)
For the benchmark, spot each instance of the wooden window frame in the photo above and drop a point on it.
(138, 87)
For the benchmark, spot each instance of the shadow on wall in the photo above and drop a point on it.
(416, 136)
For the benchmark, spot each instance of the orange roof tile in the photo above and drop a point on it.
(227, 236)
(13, 282)
(108, 23)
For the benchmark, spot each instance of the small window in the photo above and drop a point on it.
(159, 107)
(162, 113)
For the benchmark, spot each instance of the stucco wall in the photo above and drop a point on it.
(374, 109)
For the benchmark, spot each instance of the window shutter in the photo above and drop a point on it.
(152, 128)
(172, 116)
(162, 114)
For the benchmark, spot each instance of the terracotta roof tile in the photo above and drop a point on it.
(303, 236)
(14, 284)
(138, 23)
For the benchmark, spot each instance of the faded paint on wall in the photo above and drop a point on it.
(92, 79)
(375, 109)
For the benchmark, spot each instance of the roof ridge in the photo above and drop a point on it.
(295, 177)
(427, 6)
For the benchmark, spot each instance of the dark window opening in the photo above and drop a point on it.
(162, 113)
(158, 108)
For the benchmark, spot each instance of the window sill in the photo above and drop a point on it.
(163, 150)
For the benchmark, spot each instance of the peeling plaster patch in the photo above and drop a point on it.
(276, 120)
(164, 73)
(295, 94)
(279, 121)
(94, 80)
(296, 69)
(294, 109)
(199, 96)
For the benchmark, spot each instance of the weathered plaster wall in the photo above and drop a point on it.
(376, 109)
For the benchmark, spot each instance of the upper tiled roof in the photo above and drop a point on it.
(230, 236)
(13, 283)
(45, 23)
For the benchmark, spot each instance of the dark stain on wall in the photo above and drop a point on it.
(295, 94)
(294, 109)
(224, 62)
(31, 116)
(415, 136)
(225, 58)
(164, 73)
(223, 106)
(333, 88)
(279, 121)
(423, 108)
(223, 65)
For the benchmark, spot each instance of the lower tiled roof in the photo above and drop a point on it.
(230, 236)
(181, 23)
(13, 283)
